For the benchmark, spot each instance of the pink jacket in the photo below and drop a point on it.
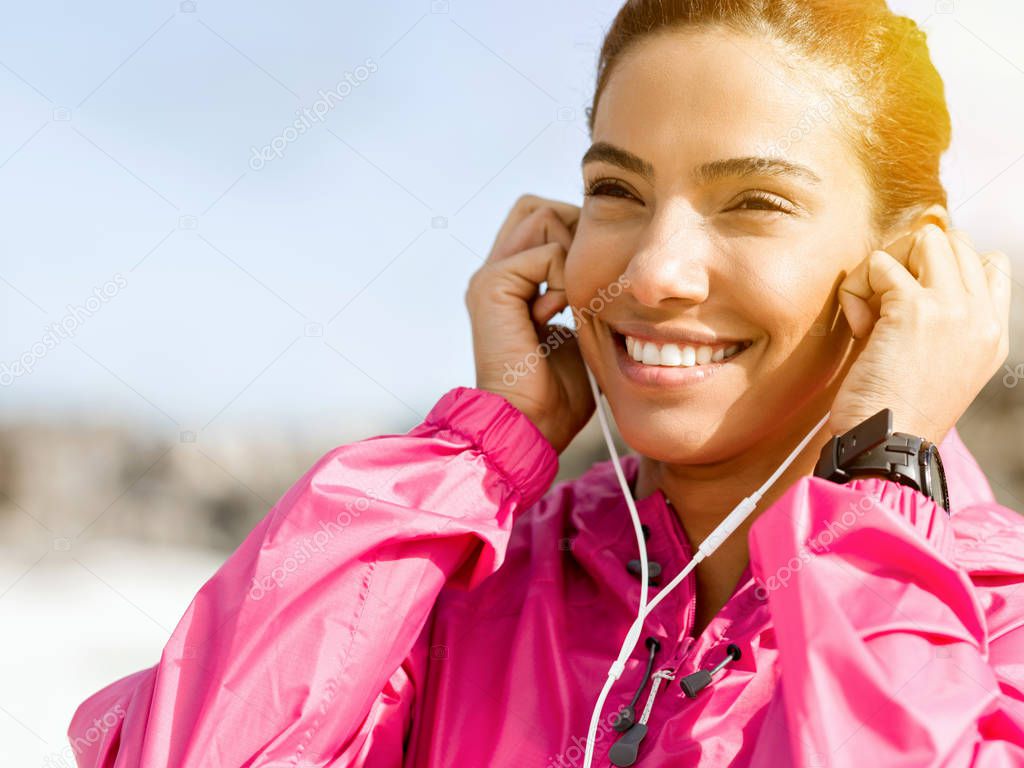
(425, 600)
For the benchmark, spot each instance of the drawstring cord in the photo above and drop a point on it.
(627, 715)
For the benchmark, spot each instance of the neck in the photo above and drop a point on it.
(703, 494)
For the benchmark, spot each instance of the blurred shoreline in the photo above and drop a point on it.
(62, 485)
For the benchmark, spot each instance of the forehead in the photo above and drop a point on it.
(686, 96)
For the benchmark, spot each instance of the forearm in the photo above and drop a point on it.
(283, 652)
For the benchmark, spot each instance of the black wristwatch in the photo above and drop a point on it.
(872, 448)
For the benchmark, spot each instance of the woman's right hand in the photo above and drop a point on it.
(535, 366)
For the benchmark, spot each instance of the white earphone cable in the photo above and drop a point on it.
(721, 532)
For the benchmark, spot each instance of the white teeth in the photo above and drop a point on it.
(675, 355)
(638, 351)
(651, 355)
(670, 355)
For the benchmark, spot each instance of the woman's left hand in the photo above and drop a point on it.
(931, 318)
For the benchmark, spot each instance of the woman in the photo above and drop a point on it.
(425, 600)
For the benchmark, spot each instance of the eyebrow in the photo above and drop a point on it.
(602, 151)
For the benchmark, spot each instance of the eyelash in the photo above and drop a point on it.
(591, 190)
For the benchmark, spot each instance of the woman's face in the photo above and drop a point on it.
(682, 236)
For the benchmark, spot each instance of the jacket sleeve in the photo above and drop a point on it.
(306, 646)
(884, 651)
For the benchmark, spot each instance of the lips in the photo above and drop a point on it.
(661, 376)
(662, 333)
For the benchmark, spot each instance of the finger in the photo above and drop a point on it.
(880, 273)
(933, 263)
(551, 302)
(998, 275)
(900, 249)
(519, 276)
(542, 226)
(525, 206)
(858, 313)
(971, 271)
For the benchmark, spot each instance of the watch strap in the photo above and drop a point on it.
(872, 448)
(839, 454)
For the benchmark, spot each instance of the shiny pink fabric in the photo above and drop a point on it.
(425, 600)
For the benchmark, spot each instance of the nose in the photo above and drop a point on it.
(671, 259)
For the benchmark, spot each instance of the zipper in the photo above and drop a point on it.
(690, 643)
(675, 529)
(625, 750)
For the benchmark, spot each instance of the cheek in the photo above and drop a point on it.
(791, 300)
(575, 273)
(805, 345)
(589, 265)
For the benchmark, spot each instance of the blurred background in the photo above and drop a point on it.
(235, 235)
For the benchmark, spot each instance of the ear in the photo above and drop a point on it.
(935, 214)
(917, 218)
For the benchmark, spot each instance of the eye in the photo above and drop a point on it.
(606, 187)
(763, 201)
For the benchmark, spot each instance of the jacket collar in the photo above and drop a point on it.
(604, 542)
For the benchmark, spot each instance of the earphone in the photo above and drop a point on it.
(704, 549)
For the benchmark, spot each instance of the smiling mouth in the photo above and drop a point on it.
(648, 353)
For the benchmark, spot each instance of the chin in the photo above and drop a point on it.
(673, 436)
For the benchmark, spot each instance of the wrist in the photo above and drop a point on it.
(498, 429)
(876, 475)
(872, 449)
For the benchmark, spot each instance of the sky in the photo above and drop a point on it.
(212, 265)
